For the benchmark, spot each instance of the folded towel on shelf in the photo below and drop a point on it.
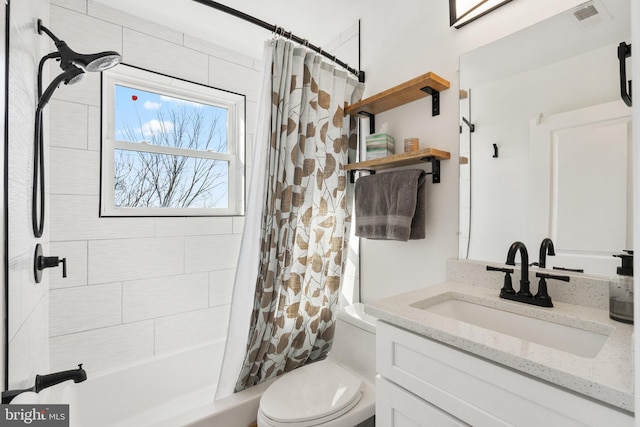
(391, 205)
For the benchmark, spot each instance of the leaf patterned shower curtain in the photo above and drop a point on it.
(306, 217)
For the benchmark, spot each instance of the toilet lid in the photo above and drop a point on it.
(321, 390)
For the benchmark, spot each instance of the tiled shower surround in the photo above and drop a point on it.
(136, 287)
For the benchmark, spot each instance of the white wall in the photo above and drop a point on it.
(401, 40)
(136, 287)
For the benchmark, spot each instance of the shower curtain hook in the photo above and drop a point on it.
(305, 43)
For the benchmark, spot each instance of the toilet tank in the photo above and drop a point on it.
(354, 342)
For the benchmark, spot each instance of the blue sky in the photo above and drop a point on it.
(139, 111)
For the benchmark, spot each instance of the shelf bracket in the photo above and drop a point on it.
(435, 100)
(435, 169)
(352, 173)
(372, 121)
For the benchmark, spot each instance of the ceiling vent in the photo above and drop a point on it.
(589, 15)
(585, 12)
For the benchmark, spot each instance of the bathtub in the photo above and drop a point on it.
(173, 390)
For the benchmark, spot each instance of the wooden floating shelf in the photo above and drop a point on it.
(399, 95)
(402, 159)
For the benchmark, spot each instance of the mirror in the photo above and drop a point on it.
(549, 152)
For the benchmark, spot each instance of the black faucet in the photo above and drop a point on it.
(44, 381)
(542, 298)
(524, 258)
(546, 248)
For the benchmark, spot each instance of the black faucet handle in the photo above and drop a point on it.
(500, 269)
(573, 270)
(507, 287)
(552, 276)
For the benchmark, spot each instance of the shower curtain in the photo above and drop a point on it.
(297, 224)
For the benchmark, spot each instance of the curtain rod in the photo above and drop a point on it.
(281, 31)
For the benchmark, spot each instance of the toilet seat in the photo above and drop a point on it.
(311, 395)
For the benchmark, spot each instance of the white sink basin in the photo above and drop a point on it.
(560, 337)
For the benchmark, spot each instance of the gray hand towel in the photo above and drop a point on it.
(391, 205)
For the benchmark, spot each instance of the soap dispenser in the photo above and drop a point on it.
(621, 290)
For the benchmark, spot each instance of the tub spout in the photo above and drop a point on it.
(44, 381)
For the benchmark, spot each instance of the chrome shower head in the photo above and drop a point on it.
(95, 62)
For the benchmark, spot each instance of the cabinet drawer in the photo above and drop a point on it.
(471, 388)
(396, 407)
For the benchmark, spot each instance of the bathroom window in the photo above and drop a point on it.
(170, 147)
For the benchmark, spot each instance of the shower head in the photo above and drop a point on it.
(71, 75)
(95, 62)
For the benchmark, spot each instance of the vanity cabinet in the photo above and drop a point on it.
(422, 382)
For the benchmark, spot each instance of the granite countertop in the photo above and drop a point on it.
(607, 377)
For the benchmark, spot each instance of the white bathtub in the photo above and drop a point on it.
(174, 390)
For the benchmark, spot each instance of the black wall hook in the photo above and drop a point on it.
(495, 151)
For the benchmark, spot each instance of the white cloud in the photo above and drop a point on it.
(150, 105)
(156, 126)
(180, 101)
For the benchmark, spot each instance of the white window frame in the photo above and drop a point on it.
(149, 81)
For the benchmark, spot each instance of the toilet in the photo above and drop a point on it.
(335, 392)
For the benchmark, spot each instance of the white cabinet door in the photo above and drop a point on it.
(396, 407)
(479, 392)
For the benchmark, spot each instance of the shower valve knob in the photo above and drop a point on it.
(42, 262)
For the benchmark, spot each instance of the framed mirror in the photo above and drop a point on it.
(549, 156)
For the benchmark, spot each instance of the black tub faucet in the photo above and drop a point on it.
(44, 381)
(524, 260)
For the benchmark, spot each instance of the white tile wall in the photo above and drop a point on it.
(29, 350)
(190, 329)
(117, 17)
(161, 56)
(84, 308)
(163, 296)
(104, 348)
(135, 286)
(83, 33)
(76, 218)
(77, 176)
(238, 224)
(218, 51)
(221, 287)
(94, 141)
(68, 124)
(77, 5)
(131, 259)
(193, 226)
(229, 76)
(209, 253)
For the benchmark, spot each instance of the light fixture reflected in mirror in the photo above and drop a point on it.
(461, 12)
